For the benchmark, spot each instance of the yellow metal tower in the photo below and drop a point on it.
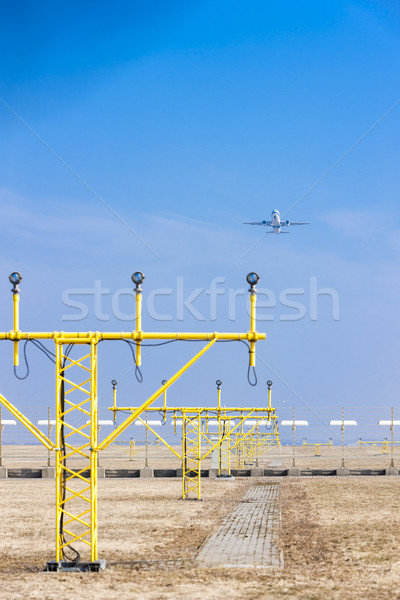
(76, 397)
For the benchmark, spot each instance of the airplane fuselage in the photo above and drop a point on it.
(276, 221)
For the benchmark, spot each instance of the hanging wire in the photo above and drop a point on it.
(48, 353)
(139, 376)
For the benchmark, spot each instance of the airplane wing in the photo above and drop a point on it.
(266, 223)
(292, 223)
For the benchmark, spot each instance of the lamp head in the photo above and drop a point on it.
(114, 383)
(15, 278)
(219, 383)
(252, 279)
(164, 381)
(138, 279)
(269, 383)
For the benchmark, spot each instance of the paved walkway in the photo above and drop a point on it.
(248, 536)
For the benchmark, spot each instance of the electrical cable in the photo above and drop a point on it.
(139, 375)
(50, 355)
(138, 372)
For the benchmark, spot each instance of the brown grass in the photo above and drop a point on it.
(340, 537)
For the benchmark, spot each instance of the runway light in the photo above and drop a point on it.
(388, 423)
(252, 279)
(8, 422)
(46, 422)
(164, 381)
(342, 422)
(114, 383)
(219, 383)
(15, 278)
(297, 423)
(269, 383)
(137, 278)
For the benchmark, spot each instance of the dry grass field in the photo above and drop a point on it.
(340, 537)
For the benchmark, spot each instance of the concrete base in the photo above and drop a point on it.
(101, 472)
(3, 473)
(80, 567)
(224, 473)
(147, 472)
(343, 472)
(257, 472)
(293, 472)
(212, 473)
(48, 472)
(391, 471)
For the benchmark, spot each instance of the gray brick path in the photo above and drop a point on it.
(249, 535)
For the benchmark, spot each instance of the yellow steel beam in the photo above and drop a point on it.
(16, 326)
(82, 337)
(113, 435)
(138, 297)
(193, 409)
(27, 423)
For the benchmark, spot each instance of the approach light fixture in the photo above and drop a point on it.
(138, 279)
(269, 383)
(164, 381)
(252, 279)
(219, 383)
(15, 278)
(114, 383)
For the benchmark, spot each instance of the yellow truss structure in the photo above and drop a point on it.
(191, 456)
(385, 444)
(233, 440)
(317, 445)
(76, 400)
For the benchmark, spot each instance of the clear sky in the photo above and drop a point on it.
(140, 135)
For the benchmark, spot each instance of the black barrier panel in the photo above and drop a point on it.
(24, 473)
(367, 472)
(318, 472)
(118, 473)
(241, 472)
(165, 473)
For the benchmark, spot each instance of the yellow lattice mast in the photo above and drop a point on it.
(76, 397)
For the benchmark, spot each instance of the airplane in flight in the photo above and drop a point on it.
(276, 223)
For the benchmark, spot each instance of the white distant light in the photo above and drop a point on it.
(177, 422)
(100, 422)
(8, 422)
(343, 423)
(389, 423)
(46, 422)
(151, 423)
(297, 423)
(214, 423)
(252, 422)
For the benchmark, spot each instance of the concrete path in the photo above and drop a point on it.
(248, 536)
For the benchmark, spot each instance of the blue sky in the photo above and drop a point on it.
(184, 120)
